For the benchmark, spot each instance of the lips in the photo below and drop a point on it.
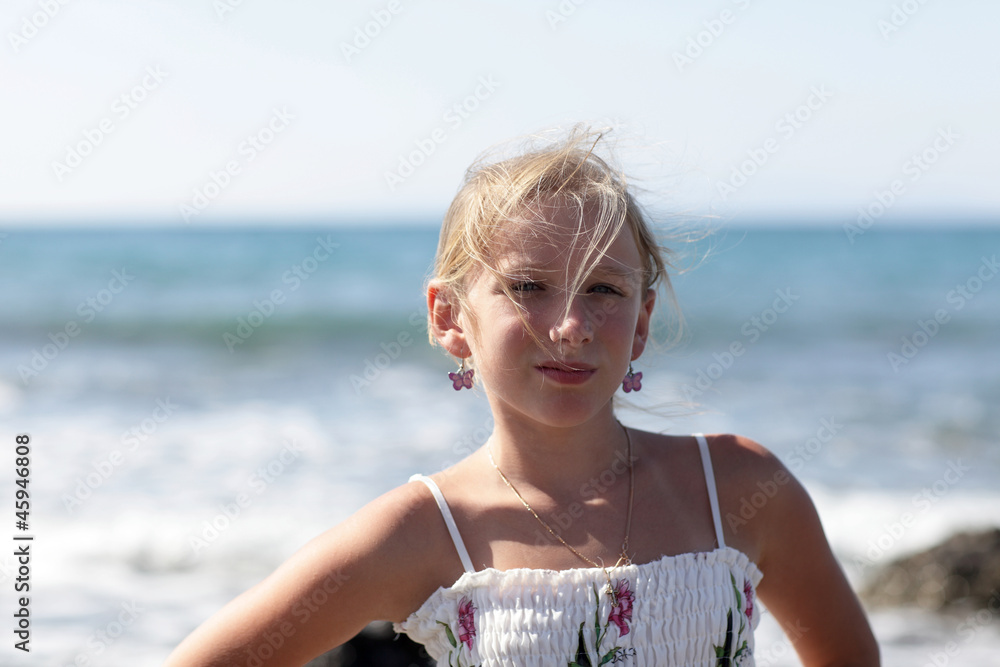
(566, 373)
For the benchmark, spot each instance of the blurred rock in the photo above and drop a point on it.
(376, 646)
(963, 571)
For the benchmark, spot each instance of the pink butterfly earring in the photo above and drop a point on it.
(632, 381)
(463, 378)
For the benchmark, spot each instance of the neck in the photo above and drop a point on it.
(561, 460)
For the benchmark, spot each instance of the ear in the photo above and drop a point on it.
(642, 326)
(444, 315)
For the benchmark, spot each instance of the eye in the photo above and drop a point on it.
(605, 289)
(525, 286)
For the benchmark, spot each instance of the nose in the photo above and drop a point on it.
(572, 326)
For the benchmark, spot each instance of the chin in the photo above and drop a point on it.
(552, 406)
(567, 413)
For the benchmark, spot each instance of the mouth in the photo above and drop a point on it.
(563, 373)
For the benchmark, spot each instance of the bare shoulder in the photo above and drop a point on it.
(746, 466)
(766, 509)
(756, 492)
(750, 482)
(383, 548)
(732, 453)
(403, 534)
(382, 563)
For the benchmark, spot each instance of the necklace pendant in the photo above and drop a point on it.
(612, 594)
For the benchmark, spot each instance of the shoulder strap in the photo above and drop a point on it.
(713, 496)
(448, 519)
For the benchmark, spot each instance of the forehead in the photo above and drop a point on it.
(556, 234)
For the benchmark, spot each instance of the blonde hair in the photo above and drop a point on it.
(496, 192)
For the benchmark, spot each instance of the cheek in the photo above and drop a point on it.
(502, 332)
(541, 317)
(516, 323)
(613, 317)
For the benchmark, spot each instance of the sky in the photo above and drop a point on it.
(216, 112)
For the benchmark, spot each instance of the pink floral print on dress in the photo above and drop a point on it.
(621, 611)
(461, 647)
(748, 594)
(466, 622)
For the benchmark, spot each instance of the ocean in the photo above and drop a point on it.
(202, 402)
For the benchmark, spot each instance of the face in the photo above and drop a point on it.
(560, 359)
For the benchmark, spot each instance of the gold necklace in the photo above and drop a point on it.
(623, 559)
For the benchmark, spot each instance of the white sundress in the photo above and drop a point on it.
(693, 609)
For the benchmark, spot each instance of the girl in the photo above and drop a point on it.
(568, 538)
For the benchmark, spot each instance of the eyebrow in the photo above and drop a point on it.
(615, 269)
(516, 270)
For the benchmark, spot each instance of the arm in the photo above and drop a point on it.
(377, 565)
(803, 585)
